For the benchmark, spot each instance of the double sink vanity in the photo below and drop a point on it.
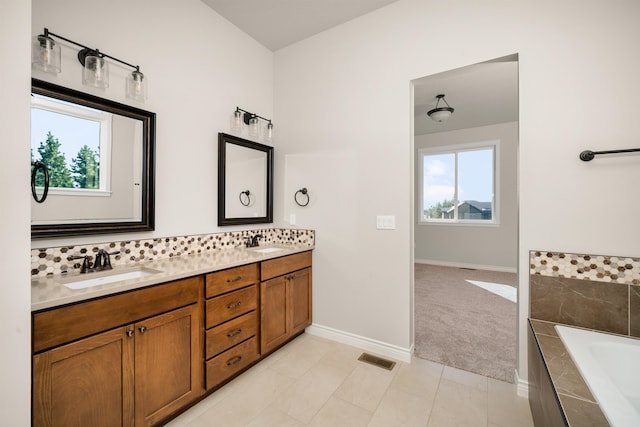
(137, 345)
(175, 318)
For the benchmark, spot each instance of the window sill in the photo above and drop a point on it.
(459, 224)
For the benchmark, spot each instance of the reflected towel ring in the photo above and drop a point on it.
(36, 167)
(304, 192)
(246, 201)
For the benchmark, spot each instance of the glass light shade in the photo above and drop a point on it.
(45, 54)
(254, 127)
(96, 72)
(136, 86)
(236, 121)
(440, 115)
(268, 132)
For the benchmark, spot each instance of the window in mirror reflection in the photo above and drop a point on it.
(74, 142)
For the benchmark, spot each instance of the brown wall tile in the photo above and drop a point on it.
(634, 311)
(584, 303)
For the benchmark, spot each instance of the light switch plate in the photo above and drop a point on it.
(386, 222)
(292, 219)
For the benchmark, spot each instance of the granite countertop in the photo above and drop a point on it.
(50, 292)
(576, 401)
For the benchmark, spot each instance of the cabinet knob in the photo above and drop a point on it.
(130, 332)
(234, 361)
(142, 329)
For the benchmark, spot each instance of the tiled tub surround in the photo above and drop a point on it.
(595, 292)
(49, 290)
(53, 261)
(559, 387)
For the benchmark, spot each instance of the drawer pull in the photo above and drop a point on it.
(234, 333)
(234, 280)
(234, 361)
(234, 305)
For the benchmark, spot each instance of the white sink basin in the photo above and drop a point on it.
(267, 250)
(109, 278)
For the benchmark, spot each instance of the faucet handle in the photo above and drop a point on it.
(106, 264)
(86, 267)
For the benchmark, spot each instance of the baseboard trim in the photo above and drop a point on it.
(467, 265)
(378, 347)
(522, 386)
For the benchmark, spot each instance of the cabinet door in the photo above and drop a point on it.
(274, 329)
(168, 363)
(86, 383)
(300, 299)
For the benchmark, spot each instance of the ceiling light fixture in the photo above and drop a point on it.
(45, 55)
(440, 114)
(252, 122)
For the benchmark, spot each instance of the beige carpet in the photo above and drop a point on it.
(465, 326)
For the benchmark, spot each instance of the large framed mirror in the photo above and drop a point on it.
(100, 158)
(245, 181)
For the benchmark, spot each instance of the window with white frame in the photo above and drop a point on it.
(458, 184)
(74, 142)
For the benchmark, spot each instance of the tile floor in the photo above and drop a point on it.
(317, 382)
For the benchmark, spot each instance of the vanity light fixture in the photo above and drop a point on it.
(440, 114)
(45, 55)
(252, 121)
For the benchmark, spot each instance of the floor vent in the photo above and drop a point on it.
(377, 361)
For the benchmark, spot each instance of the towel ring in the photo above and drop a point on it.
(305, 193)
(246, 201)
(36, 167)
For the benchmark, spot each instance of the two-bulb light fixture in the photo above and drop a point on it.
(440, 114)
(242, 119)
(45, 55)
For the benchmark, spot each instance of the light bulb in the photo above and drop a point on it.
(268, 132)
(136, 86)
(45, 54)
(254, 127)
(236, 121)
(96, 71)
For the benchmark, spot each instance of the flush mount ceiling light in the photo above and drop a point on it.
(252, 122)
(440, 114)
(45, 56)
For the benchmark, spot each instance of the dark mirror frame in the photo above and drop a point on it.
(148, 119)
(223, 140)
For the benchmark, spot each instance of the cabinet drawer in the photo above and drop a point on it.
(228, 280)
(231, 361)
(228, 334)
(69, 323)
(279, 266)
(233, 304)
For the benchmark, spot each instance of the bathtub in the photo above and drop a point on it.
(610, 365)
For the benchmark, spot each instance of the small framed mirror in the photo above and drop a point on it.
(99, 157)
(245, 181)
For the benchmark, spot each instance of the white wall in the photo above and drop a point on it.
(487, 246)
(199, 68)
(342, 99)
(15, 321)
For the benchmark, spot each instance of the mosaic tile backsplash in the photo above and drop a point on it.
(598, 268)
(51, 261)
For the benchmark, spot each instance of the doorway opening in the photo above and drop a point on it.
(466, 218)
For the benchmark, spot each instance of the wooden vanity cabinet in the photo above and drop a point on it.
(139, 371)
(231, 322)
(285, 299)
